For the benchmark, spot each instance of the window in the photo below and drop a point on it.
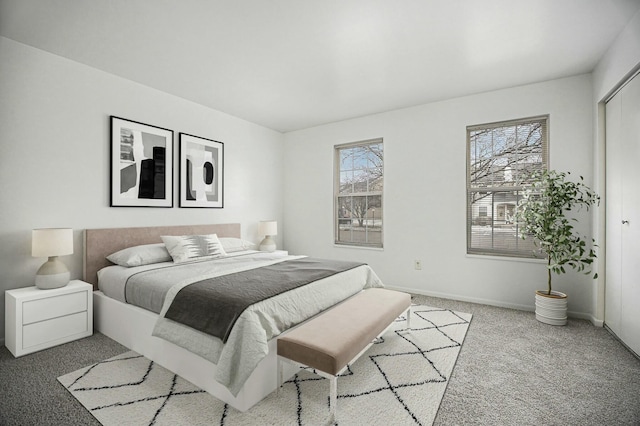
(358, 185)
(501, 158)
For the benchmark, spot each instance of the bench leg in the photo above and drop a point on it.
(333, 398)
(409, 318)
(279, 375)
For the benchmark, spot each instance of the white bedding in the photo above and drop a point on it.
(112, 280)
(248, 341)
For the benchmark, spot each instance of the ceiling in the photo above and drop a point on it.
(293, 64)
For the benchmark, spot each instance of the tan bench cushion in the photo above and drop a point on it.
(332, 339)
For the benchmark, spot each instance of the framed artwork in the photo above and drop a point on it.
(201, 172)
(141, 164)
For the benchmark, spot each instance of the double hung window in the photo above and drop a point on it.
(358, 184)
(501, 158)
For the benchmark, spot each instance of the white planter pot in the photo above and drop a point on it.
(551, 308)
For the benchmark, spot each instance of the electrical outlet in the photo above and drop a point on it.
(417, 265)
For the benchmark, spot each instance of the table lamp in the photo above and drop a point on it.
(268, 228)
(51, 243)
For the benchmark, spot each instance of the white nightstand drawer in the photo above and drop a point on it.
(53, 307)
(55, 329)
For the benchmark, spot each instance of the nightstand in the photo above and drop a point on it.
(39, 319)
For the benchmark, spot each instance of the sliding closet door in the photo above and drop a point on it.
(630, 318)
(622, 314)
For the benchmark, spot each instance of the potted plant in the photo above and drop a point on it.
(542, 216)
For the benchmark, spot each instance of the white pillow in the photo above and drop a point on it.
(231, 245)
(187, 248)
(140, 255)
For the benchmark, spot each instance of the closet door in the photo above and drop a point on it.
(630, 317)
(622, 314)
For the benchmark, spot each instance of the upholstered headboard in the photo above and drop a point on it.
(99, 243)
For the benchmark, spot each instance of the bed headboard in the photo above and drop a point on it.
(99, 243)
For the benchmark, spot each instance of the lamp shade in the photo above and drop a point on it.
(51, 242)
(268, 227)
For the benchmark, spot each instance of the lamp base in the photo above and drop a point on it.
(267, 244)
(48, 282)
(52, 274)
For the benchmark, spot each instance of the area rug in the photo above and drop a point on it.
(400, 380)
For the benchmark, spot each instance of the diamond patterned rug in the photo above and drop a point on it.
(400, 380)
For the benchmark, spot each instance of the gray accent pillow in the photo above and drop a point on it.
(140, 255)
(187, 248)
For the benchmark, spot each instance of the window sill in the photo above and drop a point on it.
(358, 247)
(506, 258)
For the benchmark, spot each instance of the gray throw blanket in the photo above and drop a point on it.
(213, 305)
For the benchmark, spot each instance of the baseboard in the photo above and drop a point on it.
(589, 317)
(480, 301)
(531, 308)
(597, 322)
(2, 342)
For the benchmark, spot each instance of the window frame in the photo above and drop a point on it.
(492, 190)
(336, 197)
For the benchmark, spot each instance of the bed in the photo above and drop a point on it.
(210, 363)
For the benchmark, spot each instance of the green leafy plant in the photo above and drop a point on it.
(542, 216)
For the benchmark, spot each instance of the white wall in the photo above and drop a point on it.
(424, 193)
(54, 157)
(620, 60)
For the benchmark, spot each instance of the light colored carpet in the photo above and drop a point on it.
(400, 380)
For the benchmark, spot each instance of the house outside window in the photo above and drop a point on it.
(501, 157)
(358, 186)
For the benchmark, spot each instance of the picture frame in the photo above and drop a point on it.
(141, 164)
(201, 172)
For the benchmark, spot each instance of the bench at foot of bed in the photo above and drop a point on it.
(337, 337)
